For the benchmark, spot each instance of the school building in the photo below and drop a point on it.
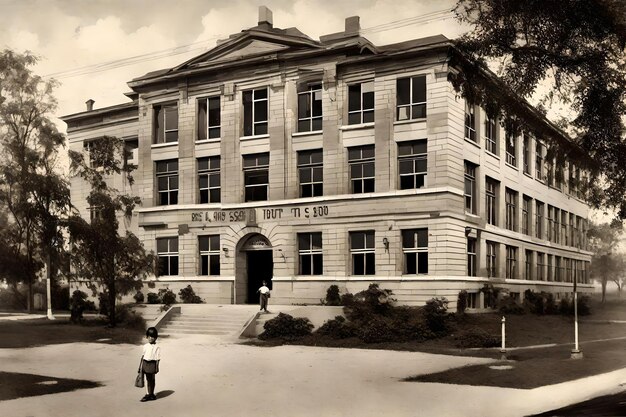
(307, 163)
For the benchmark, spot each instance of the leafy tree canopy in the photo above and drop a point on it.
(577, 48)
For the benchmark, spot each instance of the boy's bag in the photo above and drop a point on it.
(139, 378)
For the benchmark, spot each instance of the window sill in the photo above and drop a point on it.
(164, 145)
(528, 175)
(267, 135)
(492, 154)
(311, 133)
(356, 127)
(472, 142)
(511, 166)
(404, 122)
(213, 140)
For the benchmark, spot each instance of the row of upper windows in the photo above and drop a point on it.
(410, 104)
(412, 163)
(546, 171)
(310, 253)
(572, 229)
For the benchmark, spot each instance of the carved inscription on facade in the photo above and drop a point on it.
(242, 215)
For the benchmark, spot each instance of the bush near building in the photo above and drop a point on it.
(188, 295)
(286, 327)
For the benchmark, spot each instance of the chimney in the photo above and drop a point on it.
(89, 104)
(265, 17)
(353, 24)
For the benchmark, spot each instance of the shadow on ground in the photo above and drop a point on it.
(16, 385)
(609, 405)
(163, 394)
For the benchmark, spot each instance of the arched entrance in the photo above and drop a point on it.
(255, 265)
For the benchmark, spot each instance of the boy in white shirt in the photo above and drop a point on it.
(264, 296)
(150, 362)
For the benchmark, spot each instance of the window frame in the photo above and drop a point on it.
(510, 201)
(539, 160)
(415, 156)
(313, 165)
(491, 200)
(164, 109)
(491, 134)
(259, 169)
(511, 262)
(210, 253)
(470, 186)
(416, 250)
(170, 255)
(491, 256)
(170, 175)
(209, 131)
(416, 109)
(366, 182)
(309, 91)
(252, 127)
(367, 252)
(472, 257)
(470, 122)
(211, 171)
(312, 253)
(358, 109)
(511, 149)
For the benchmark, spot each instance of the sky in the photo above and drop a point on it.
(79, 41)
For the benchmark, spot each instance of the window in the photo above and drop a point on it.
(167, 182)
(539, 219)
(411, 98)
(470, 121)
(510, 197)
(412, 164)
(539, 159)
(310, 173)
(255, 111)
(526, 204)
(572, 179)
(550, 270)
(579, 189)
(540, 267)
(558, 269)
(526, 153)
(309, 107)
(310, 253)
(470, 187)
(564, 234)
(167, 253)
(361, 103)
(209, 254)
(362, 251)
(550, 173)
(558, 175)
(528, 271)
(472, 300)
(256, 176)
(577, 232)
(550, 223)
(511, 148)
(492, 260)
(568, 270)
(415, 249)
(491, 137)
(209, 179)
(471, 257)
(555, 224)
(361, 163)
(131, 152)
(166, 123)
(209, 118)
(511, 262)
(491, 187)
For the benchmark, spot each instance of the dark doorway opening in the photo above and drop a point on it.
(260, 268)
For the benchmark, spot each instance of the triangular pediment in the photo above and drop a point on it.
(252, 47)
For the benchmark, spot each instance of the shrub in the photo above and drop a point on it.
(153, 298)
(286, 327)
(139, 297)
(508, 305)
(187, 295)
(151, 284)
(332, 296)
(128, 318)
(565, 307)
(551, 307)
(337, 328)
(378, 330)
(461, 302)
(491, 295)
(167, 296)
(583, 306)
(78, 304)
(364, 305)
(476, 338)
(435, 314)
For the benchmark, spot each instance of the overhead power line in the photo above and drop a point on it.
(202, 45)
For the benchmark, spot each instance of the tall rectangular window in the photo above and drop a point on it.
(470, 121)
(528, 270)
(550, 173)
(539, 159)
(491, 135)
(415, 250)
(511, 148)
(361, 103)
(526, 153)
(550, 269)
(539, 219)
(412, 164)
(470, 187)
(511, 209)
(564, 233)
(491, 189)
(310, 253)
(209, 180)
(209, 247)
(166, 123)
(471, 257)
(556, 234)
(131, 152)
(411, 98)
(361, 163)
(311, 173)
(526, 204)
(256, 176)
(167, 254)
(558, 175)
(167, 182)
(492, 259)
(571, 184)
(255, 112)
(209, 118)
(550, 234)
(309, 107)
(362, 253)
(511, 262)
(558, 269)
(540, 267)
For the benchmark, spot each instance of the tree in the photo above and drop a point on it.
(620, 273)
(109, 261)
(605, 263)
(575, 48)
(33, 194)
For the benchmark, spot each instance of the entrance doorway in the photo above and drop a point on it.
(260, 267)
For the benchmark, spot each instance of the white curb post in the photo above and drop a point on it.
(48, 288)
(503, 348)
(576, 353)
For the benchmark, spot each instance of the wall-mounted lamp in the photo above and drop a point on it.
(386, 243)
(282, 254)
(225, 252)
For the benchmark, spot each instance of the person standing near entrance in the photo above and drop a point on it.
(264, 296)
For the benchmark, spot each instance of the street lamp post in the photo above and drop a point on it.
(576, 352)
(49, 287)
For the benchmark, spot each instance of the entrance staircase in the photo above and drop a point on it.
(213, 320)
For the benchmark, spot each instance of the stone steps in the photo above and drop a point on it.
(207, 321)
